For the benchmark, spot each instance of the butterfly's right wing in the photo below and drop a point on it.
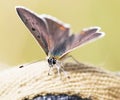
(86, 36)
(36, 25)
(77, 40)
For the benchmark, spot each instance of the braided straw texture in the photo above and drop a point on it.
(85, 81)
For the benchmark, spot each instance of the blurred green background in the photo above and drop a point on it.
(17, 46)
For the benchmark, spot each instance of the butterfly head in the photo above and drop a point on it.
(51, 61)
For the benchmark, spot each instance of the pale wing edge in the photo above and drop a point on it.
(55, 19)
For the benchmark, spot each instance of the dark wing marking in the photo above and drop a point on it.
(58, 31)
(36, 25)
(77, 40)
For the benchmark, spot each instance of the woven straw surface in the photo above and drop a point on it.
(85, 81)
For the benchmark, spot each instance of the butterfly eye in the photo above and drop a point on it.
(50, 61)
(54, 61)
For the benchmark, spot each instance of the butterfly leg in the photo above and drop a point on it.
(69, 56)
(61, 66)
(65, 73)
(58, 69)
(49, 70)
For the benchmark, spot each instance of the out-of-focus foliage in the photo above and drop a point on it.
(17, 45)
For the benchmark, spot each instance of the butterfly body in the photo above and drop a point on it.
(54, 36)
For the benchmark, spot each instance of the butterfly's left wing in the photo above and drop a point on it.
(37, 26)
(77, 40)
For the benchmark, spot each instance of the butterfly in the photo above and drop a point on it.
(54, 36)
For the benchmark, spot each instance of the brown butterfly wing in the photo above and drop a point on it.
(52, 35)
(77, 40)
(58, 31)
(37, 27)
